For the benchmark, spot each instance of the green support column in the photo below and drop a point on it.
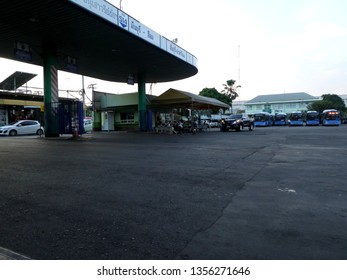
(142, 102)
(50, 75)
(96, 121)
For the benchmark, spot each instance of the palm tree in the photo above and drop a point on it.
(230, 90)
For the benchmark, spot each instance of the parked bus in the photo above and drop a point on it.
(296, 118)
(312, 118)
(262, 119)
(280, 119)
(331, 117)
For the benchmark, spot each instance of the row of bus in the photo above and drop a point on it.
(328, 117)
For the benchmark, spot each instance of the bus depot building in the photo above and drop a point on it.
(279, 103)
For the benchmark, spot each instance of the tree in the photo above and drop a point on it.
(336, 100)
(230, 90)
(329, 101)
(320, 106)
(213, 93)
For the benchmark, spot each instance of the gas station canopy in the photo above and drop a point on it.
(91, 38)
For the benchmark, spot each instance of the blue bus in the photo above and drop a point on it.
(280, 119)
(296, 118)
(312, 118)
(262, 119)
(331, 117)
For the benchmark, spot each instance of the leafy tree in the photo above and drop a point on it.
(329, 101)
(213, 93)
(320, 106)
(336, 100)
(230, 90)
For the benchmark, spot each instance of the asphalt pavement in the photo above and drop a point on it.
(272, 193)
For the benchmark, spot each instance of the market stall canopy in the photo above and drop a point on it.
(183, 99)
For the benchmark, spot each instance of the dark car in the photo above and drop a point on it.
(237, 122)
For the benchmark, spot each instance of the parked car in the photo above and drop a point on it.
(88, 125)
(237, 122)
(214, 124)
(24, 127)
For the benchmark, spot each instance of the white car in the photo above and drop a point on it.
(23, 127)
(88, 125)
(214, 124)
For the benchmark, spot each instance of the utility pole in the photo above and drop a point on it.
(83, 93)
(239, 69)
(92, 86)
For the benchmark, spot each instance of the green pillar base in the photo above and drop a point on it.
(50, 92)
(142, 102)
(143, 120)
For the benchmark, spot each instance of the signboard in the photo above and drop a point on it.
(71, 64)
(123, 20)
(101, 8)
(144, 32)
(189, 58)
(163, 43)
(130, 80)
(195, 61)
(176, 50)
(22, 51)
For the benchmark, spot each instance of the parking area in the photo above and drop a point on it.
(271, 193)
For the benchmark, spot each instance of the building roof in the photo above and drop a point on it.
(282, 97)
(104, 100)
(16, 80)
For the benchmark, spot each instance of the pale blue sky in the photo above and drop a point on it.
(285, 46)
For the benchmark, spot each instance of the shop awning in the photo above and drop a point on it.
(16, 80)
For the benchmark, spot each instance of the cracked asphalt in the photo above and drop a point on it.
(273, 193)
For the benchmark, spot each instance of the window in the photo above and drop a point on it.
(127, 118)
(291, 105)
(278, 107)
(26, 123)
